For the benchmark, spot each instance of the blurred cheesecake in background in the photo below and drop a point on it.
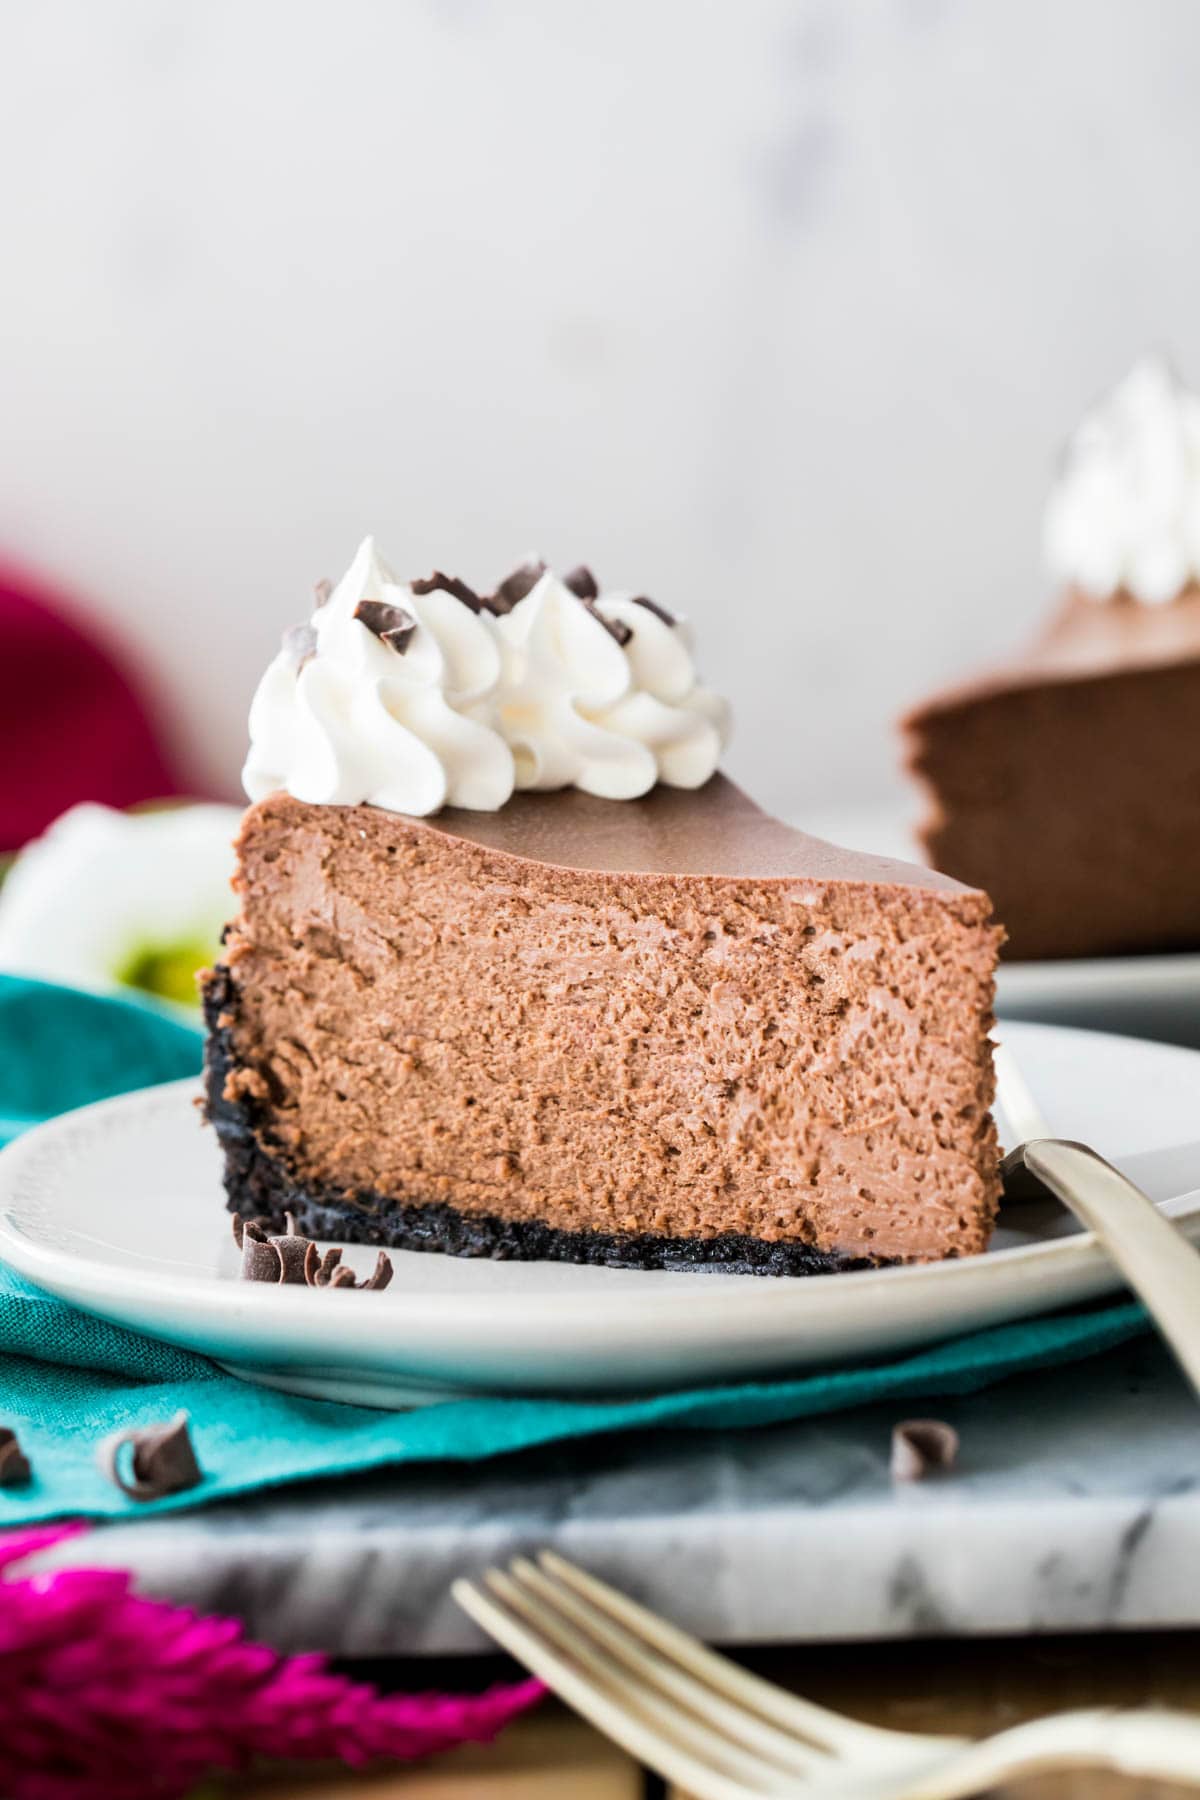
(1067, 782)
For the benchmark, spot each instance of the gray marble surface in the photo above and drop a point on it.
(1075, 1505)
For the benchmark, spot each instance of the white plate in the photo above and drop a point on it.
(1149, 996)
(119, 1208)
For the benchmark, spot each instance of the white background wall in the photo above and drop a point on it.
(774, 308)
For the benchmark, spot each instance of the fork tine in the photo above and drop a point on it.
(692, 1734)
(591, 1700)
(830, 1730)
(632, 1653)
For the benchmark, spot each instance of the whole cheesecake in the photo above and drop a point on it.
(661, 1032)
(1067, 782)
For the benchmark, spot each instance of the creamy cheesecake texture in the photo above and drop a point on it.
(671, 1031)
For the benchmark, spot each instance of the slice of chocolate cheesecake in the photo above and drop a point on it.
(1067, 781)
(669, 1033)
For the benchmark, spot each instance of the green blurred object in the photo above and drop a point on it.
(168, 971)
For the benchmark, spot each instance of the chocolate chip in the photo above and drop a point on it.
(514, 587)
(14, 1466)
(392, 625)
(299, 645)
(162, 1461)
(449, 584)
(660, 612)
(922, 1446)
(581, 581)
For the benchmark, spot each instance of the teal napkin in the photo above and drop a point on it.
(67, 1380)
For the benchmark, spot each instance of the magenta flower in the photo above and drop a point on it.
(108, 1696)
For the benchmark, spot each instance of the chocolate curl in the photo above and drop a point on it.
(298, 1259)
(513, 589)
(448, 584)
(261, 1260)
(921, 1447)
(392, 625)
(14, 1466)
(382, 1274)
(652, 606)
(256, 1228)
(342, 1278)
(584, 586)
(163, 1461)
(323, 1274)
(582, 582)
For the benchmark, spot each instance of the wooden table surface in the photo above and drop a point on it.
(970, 1686)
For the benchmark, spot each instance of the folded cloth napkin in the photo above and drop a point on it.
(68, 1380)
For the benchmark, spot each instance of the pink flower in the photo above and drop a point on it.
(71, 720)
(107, 1696)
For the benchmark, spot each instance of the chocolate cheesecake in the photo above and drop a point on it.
(668, 1032)
(1067, 782)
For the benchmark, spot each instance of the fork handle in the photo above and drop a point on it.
(1147, 1741)
(1159, 1264)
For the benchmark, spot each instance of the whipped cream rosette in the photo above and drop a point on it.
(384, 700)
(600, 693)
(1124, 515)
(417, 695)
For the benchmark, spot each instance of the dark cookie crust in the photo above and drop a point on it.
(258, 1185)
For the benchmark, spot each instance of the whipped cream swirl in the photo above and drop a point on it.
(349, 711)
(1124, 515)
(412, 696)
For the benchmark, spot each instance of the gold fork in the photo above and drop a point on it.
(720, 1733)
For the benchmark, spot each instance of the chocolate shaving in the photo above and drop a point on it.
(261, 1260)
(326, 1268)
(382, 1272)
(14, 1465)
(921, 1447)
(514, 587)
(256, 1227)
(660, 612)
(449, 584)
(322, 589)
(582, 582)
(299, 645)
(292, 1258)
(392, 625)
(298, 1259)
(616, 628)
(163, 1461)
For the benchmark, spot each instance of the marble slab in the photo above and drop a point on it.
(1075, 1506)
